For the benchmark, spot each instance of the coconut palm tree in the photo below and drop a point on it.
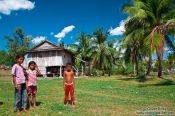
(134, 43)
(150, 14)
(134, 51)
(171, 61)
(103, 51)
(82, 49)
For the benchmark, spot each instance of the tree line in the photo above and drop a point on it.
(149, 29)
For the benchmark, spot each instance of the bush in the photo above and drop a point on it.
(141, 78)
(97, 72)
(116, 71)
(124, 71)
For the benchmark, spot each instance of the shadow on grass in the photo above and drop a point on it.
(128, 79)
(1, 103)
(38, 103)
(143, 78)
(69, 102)
(165, 82)
(140, 78)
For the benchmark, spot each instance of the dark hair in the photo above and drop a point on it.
(19, 56)
(69, 64)
(31, 62)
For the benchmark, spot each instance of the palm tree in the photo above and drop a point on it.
(160, 33)
(103, 51)
(150, 14)
(134, 53)
(133, 42)
(83, 50)
(171, 61)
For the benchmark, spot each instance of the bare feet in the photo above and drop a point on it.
(18, 112)
(66, 104)
(73, 104)
(34, 106)
(24, 110)
(31, 108)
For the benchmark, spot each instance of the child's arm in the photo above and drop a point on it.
(26, 83)
(64, 76)
(73, 79)
(38, 72)
(27, 74)
(14, 81)
(14, 77)
(27, 80)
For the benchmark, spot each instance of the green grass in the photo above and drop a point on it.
(100, 96)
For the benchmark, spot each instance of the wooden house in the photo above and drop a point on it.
(50, 58)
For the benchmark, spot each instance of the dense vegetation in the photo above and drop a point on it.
(148, 30)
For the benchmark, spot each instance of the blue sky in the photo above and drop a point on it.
(47, 18)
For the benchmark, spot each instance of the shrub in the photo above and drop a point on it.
(141, 78)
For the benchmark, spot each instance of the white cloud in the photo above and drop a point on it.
(38, 40)
(77, 43)
(118, 30)
(7, 6)
(118, 43)
(64, 31)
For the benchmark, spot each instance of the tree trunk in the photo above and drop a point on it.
(159, 52)
(149, 65)
(92, 65)
(103, 72)
(84, 68)
(109, 72)
(89, 68)
(160, 67)
(137, 66)
(136, 63)
(134, 69)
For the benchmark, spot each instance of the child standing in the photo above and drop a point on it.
(19, 81)
(32, 72)
(69, 84)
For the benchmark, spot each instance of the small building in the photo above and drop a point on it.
(50, 58)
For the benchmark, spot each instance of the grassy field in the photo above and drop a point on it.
(99, 96)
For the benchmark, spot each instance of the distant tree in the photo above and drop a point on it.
(17, 44)
(62, 44)
(171, 61)
(103, 52)
(3, 59)
(83, 50)
(96, 50)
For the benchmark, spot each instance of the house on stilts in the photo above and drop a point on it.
(50, 58)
